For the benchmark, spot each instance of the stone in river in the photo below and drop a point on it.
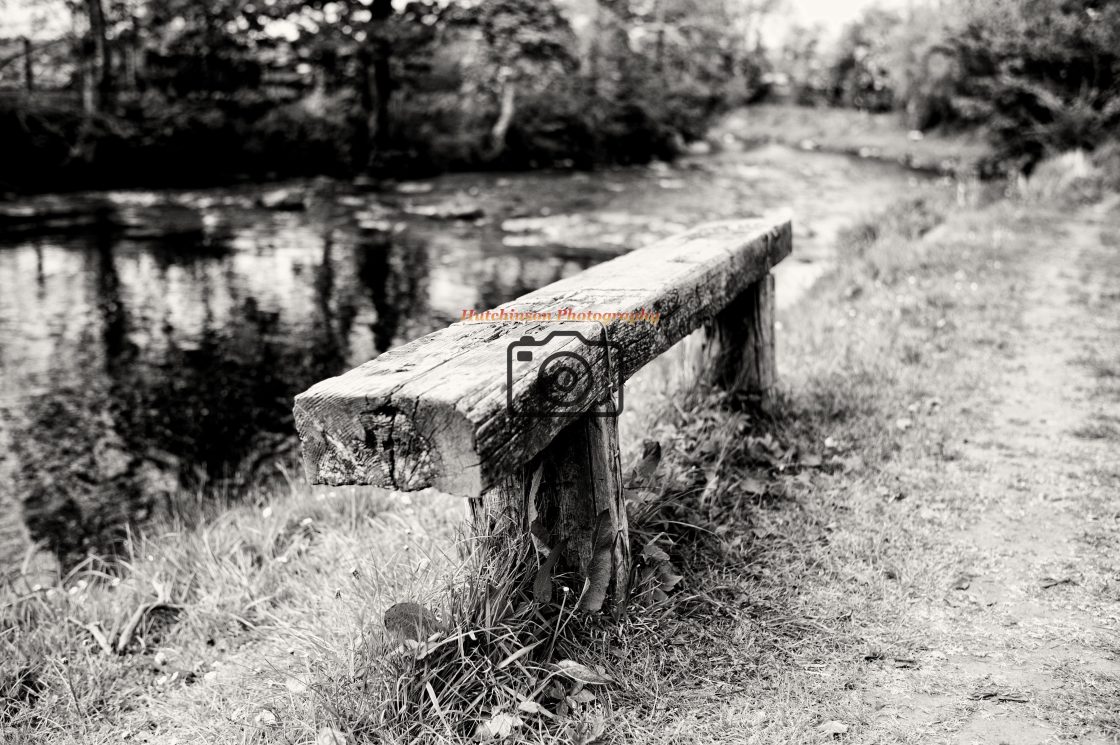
(447, 210)
(282, 199)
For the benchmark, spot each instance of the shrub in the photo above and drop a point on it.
(1042, 75)
(1069, 178)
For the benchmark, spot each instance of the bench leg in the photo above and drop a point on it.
(739, 344)
(581, 506)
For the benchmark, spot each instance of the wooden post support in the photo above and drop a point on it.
(739, 343)
(580, 503)
(578, 509)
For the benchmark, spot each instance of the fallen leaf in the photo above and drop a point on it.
(832, 727)
(410, 621)
(589, 730)
(999, 694)
(668, 579)
(1048, 582)
(532, 707)
(330, 736)
(753, 486)
(584, 697)
(542, 585)
(581, 673)
(295, 685)
(600, 570)
(498, 727)
(518, 654)
(646, 466)
(710, 490)
(653, 552)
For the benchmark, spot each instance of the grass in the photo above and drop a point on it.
(810, 538)
(858, 133)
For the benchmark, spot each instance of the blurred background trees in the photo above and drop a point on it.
(1040, 77)
(179, 91)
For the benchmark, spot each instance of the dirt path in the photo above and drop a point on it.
(1024, 643)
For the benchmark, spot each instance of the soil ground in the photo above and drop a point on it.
(957, 580)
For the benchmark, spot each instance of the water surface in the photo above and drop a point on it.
(151, 342)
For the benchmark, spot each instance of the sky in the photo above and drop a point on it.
(832, 15)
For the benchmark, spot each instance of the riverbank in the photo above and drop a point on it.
(915, 545)
(877, 136)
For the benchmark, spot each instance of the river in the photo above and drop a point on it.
(151, 341)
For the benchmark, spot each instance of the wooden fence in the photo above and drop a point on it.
(510, 412)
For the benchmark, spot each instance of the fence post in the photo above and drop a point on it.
(739, 344)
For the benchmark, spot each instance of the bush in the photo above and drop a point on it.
(1042, 75)
(162, 143)
(1068, 179)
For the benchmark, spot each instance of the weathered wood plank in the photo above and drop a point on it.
(434, 412)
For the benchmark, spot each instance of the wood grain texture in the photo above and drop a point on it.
(581, 506)
(738, 353)
(433, 412)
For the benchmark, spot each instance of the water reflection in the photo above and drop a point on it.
(152, 342)
(140, 364)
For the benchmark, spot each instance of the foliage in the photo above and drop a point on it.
(208, 92)
(1042, 75)
(860, 73)
(801, 63)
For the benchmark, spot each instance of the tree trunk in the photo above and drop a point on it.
(505, 117)
(100, 69)
(361, 149)
(28, 67)
(382, 88)
(612, 43)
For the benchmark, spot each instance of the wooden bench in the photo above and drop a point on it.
(457, 410)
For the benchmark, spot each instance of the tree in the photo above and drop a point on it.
(861, 71)
(526, 41)
(1042, 75)
(98, 88)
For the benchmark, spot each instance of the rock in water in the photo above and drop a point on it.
(282, 199)
(453, 210)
